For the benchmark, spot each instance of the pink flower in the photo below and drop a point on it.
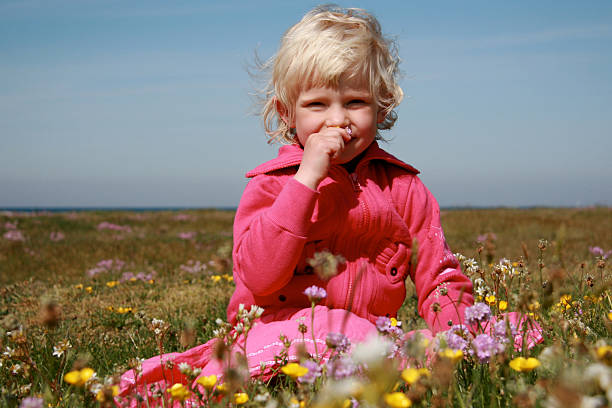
(315, 293)
(187, 235)
(10, 225)
(183, 217)
(114, 227)
(56, 236)
(14, 235)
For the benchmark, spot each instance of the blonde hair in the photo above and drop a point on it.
(330, 45)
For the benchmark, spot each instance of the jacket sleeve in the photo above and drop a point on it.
(436, 266)
(270, 230)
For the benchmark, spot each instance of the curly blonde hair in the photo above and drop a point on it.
(330, 45)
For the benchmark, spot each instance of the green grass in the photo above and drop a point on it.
(38, 273)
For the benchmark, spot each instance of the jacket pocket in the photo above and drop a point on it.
(393, 260)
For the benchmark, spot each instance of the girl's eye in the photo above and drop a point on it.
(356, 102)
(315, 104)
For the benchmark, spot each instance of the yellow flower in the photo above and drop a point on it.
(394, 322)
(294, 403)
(112, 284)
(207, 381)
(228, 278)
(79, 286)
(453, 355)
(397, 400)
(347, 403)
(610, 316)
(110, 308)
(88, 289)
(294, 370)
(151, 281)
(79, 377)
(534, 306)
(124, 310)
(490, 299)
(102, 396)
(503, 305)
(240, 398)
(515, 264)
(222, 388)
(215, 278)
(179, 392)
(412, 375)
(524, 365)
(604, 353)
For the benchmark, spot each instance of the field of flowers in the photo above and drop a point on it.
(85, 296)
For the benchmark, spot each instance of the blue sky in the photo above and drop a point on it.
(147, 103)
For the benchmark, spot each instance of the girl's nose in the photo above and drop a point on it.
(337, 117)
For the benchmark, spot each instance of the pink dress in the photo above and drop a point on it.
(381, 219)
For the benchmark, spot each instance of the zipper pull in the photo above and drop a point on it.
(355, 182)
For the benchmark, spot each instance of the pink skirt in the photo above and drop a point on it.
(263, 345)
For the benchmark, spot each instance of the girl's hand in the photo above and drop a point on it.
(320, 150)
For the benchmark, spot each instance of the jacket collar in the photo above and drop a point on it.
(291, 155)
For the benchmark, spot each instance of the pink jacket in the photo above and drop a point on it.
(371, 217)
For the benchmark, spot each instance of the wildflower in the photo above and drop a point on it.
(503, 305)
(524, 365)
(490, 299)
(31, 402)
(215, 278)
(107, 393)
(457, 337)
(314, 372)
(78, 286)
(485, 347)
(113, 227)
(338, 342)
(56, 236)
(240, 398)
(187, 235)
(340, 368)
(14, 235)
(222, 388)
(477, 314)
(227, 277)
(60, 348)
(453, 355)
(124, 310)
(79, 377)
(397, 400)
(372, 351)
(207, 382)
(179, 392)
(295, 403)
(112, 284)
(412, 375)
(604, 353)
(294, 370)
(315, 293)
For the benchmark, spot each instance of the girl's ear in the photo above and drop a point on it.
(283, 112)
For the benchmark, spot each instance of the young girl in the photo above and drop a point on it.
(332, 188)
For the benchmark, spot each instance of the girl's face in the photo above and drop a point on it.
(349, 105)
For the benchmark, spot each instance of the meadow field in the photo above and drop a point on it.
(84, 295)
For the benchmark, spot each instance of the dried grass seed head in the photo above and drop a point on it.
(328, 46)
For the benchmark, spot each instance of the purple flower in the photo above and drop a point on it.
(113, 227)
(56, 236)
(14, 235)
(340, 368)
(597, 251)
(485, 347)
(478, 313)
(338, 342)
(10, 225)
(385, 325)
(31, 402)
(458, 336)
(315, 293)
(484, 237)
(187, 235)
(314, 372)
